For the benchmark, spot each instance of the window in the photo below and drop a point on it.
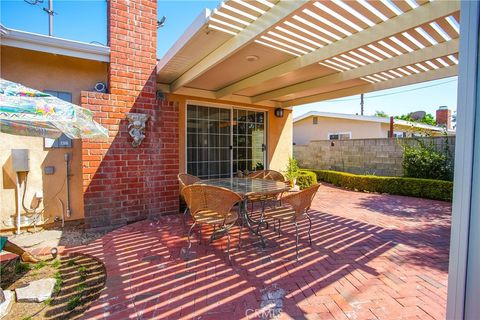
(63, 141)
(340, 136)
(399, 134)
(66, 96)
(315, 120)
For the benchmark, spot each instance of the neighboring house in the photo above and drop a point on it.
(316, 125)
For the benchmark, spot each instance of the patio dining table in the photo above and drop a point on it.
(246, 187)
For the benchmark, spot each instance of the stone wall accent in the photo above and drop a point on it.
(381, 157)
(123, 184)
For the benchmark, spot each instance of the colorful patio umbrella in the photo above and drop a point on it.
(28, 112)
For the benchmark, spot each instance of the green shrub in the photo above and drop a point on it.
(426, 162)
(291, 172)
(422, 188)
(306, 179)
(74, 302)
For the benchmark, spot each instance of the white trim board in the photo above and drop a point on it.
(43, 43)
(464, 258)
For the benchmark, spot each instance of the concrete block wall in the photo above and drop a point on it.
(381, 157)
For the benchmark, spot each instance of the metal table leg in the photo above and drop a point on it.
(249, 222)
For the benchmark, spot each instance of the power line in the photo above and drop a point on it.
(392, 93)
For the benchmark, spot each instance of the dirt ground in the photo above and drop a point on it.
(54, 236)
(79, 281)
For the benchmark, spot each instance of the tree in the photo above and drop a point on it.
(381, 114)
(427, 119)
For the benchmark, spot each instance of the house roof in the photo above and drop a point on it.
(357, 117)
(287, 53)
(43, 43)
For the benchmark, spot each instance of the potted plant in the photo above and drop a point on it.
(291, 173)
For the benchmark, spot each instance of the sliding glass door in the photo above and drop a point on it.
(248, 140)
(221, 141)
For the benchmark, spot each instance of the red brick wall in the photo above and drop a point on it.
(444, 118)
(122, 183)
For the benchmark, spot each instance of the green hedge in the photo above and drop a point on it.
(306, 179)
(422, 188)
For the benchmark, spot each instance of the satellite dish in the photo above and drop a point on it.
(100, 87)
(161, 22)
(417, 115)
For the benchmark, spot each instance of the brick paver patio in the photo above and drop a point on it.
(373, 257)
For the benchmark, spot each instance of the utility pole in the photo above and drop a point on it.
(50, 13)
(361, 104)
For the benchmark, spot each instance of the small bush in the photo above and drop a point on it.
(58, 282)
(39, 265)
(56, 264)
(21, 267)
(74, 302)
(421, 188)
(292, 170)
(306, 179)
(426, 162)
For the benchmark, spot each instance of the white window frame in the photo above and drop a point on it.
(231, 107)
(464, 258)
(339, 133)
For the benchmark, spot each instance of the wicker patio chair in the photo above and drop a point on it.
(269, 175)
(185, 179)
(212, 205)
(294, 208)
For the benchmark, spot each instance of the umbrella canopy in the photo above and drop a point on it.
(28, 112)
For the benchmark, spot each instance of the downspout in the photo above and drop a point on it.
(67, 184)
(19, 202)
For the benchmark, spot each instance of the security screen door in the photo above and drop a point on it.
(221, 141)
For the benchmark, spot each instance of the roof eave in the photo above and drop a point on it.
(341, 116)
(54, 45)
(196, 26)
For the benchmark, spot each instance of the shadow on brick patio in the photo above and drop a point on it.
(363, 264)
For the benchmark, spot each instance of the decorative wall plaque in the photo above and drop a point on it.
(136, 127)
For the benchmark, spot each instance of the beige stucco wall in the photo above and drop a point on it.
(279, 131)
(44, 71)
(304, 130)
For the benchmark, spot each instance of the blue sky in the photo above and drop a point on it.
(86, 21)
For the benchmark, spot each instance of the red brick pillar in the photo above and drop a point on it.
(123, 184)
(444, 117)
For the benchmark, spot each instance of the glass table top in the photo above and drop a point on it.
(247, 186)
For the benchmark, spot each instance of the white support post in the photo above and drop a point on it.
(464, 278)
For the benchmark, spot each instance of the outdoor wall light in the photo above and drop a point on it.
(54, 252)
(279, 112)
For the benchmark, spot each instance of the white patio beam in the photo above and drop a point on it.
(389, 84)
(280, 11)
(210, 95)
(443, 49)
(425, 13)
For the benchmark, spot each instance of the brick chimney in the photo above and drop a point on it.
(122, 183)
(444, 117)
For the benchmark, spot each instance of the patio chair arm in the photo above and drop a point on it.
(301, 201)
